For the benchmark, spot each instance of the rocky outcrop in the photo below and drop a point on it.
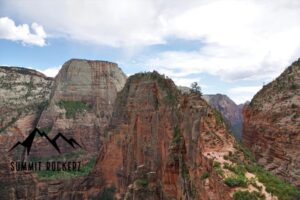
(23, 95)
(231, 112)
(82, 101)
(156, 141)
(77, 103)
(272, 125)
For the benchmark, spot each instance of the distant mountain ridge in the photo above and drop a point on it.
(230, 111)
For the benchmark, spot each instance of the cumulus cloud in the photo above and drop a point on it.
(51, 71)
(33, 35)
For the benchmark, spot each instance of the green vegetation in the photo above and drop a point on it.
(54, 175)
(219, 117)
(142, 182)
(246, 195)
(45, 130)
(274, 185)
(107, 194)
(195, 89)
(177, 136)
(163, 82)
(252, 181)
(13, 120)
(218, 169)
(294, 106)
(73, 107)
(237, 169)
(294, 86)
(236, 181)
(205, 175)
(30, 87)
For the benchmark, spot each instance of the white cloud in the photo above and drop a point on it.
(245, 89)
(248, 39)
(240, 99)
(33, 36)
(51, 71)
(242, 94)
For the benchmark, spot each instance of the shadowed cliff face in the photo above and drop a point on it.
(156, 143)
(272, 125)
(231, 112)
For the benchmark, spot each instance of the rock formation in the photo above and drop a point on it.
(82, 101)
(272, 125)
(157, 140)
(152, 141)
(231, 112)
(78, 103)
(23, 95)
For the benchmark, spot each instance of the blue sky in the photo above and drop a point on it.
(230, 47)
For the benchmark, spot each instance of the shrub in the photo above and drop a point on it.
(196, 89)
(46, 130)
(56, 175)
(142, 182)
(217, 167)
(236, 181)
(107, 193)
(294, 86)
(72, 107)
(205, 175)
(246, 195)
(237, 169)
(176, 136)
(283, 190)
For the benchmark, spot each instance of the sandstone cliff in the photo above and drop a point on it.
(23, 95)
(157, 141)
(77, 103)
(231, 112)
(153, 142)
(272, 125)
(82, 101)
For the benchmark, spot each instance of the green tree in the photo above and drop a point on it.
(195, 88)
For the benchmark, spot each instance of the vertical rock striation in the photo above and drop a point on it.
(272, 125)
(82, 101)
(157, 137)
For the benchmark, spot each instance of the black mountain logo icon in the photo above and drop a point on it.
(27, 143)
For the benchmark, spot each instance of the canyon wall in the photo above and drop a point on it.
(272, 125)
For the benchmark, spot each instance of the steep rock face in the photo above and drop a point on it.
(230, 111)
(156, 145)
(82, 101)
(23, 93)
(272, 125)
(78, 103)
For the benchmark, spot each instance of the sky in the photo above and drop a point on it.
(231, 47)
